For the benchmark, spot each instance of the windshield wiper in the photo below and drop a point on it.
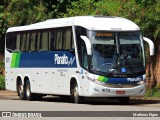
(118, 62)
(113, 64)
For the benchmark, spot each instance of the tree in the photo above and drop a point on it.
(2, 24)
(20, 12)
(57, 6)
(80, 7)
(150, 21)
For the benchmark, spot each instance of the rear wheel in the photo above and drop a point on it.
(124, 100)
(20, 90)
(75, 94)
(28, 94)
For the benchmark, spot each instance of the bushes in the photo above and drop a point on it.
(155, 92)
(2, 83)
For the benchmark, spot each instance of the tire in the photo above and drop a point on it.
(20, 90)
(75, 94)
(124, 100)
(28, 94)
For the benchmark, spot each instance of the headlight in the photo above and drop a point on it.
(140, 82)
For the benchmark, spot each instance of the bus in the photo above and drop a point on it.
(77, 57)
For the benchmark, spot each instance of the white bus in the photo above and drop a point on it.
(83, 56)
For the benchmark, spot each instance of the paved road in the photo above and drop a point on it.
(50, 103)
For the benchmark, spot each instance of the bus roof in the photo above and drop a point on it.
(88, 22)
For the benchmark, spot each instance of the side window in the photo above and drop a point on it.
(39, 36)
(72, 42)
(53, 40)
(59, 36)
(61, 39)
(68, 37)
(49, 40)
(33, 42)
(23, 42)
(27, 41)
(82, 52)
(11, 41)
(84, 55)
(18, 42)
(45, 41)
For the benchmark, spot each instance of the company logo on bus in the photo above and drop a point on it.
(63, 60)
(134, 79)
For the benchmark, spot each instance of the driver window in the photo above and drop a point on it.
(82, 52)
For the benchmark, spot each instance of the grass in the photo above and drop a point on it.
(155, 92)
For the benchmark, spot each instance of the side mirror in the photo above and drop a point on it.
(151, 45)
(88, 44)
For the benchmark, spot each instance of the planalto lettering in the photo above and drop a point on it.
(63, 60)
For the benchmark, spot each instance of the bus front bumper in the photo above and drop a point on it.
(101, 91)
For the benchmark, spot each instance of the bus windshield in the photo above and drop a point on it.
(117, 52)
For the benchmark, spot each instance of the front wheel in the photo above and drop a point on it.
(75, 94)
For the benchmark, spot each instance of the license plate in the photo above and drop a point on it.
(120, 92)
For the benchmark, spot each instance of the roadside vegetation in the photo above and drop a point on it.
(2, 81)
(154, 92)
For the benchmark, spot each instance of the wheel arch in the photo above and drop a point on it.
(25, 79)
(21, 79)
(72, 81)
(18, 81)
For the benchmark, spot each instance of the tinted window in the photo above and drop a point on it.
(41, 40)
(62, 39)
(23, 42)
(27, 41)
(45, 41)
(59, 35)
(11, 41)
(33, 42)
(18, 42)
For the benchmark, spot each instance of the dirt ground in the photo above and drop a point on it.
(7, 92)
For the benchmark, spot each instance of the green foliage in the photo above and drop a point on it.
(2, 83)
(150, 20)
(57, 6)
(22, 12)
(145, 13)
(155, 92)
(80, 8)
(1, 64)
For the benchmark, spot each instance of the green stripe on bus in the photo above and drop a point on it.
(103, 79)
(15, 60)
